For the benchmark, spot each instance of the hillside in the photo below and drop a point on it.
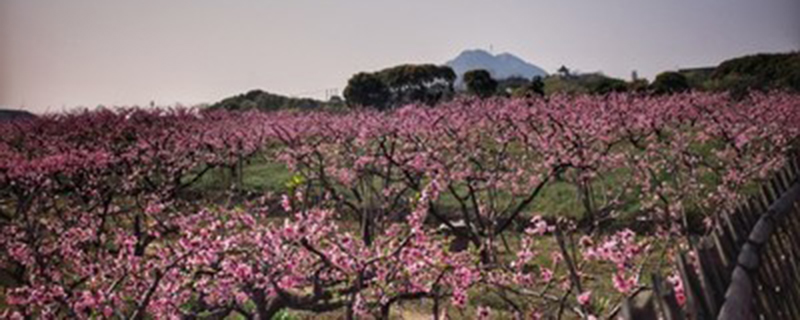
(262, 100)
(761, 71)
(8, 114)
(501, 66)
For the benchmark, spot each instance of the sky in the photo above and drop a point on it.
(60, 54)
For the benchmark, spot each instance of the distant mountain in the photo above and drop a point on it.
(8, 114)
(501, 66)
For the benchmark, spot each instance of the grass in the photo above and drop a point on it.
(557, 199)
(259, 175)
(598, 280)
(266, 176)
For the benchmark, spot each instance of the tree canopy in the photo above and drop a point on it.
(400, 85)
(366, 89)
(587, 83)
(265, 101)
(480, 83)
(670, 82)
(761, 71)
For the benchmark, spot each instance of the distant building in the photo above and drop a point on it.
(564, 71)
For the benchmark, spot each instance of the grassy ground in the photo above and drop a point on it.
(558, 198)
(259, 175)
(597, 279)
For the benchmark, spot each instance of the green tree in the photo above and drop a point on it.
(564, 72)
(479, 82)
(586, 83)
(368, 90)
(670, 82)
(510, 85)
(606, 85)
(758, 72)
(400, 85)
(537, 85)
(639, 86)
(425, 83)
(265, 101)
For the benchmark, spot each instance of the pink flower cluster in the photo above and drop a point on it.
(622, 250)
(99, 217)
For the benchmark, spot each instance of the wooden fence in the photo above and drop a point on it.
(747, 268)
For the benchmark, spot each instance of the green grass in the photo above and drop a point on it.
(558, 198)
(266, 176)
(259, 175)
(598, 280)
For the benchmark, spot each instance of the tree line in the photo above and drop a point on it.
(399, 85)
(430, 84)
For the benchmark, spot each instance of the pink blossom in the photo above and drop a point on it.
(483, 313)
(585, 298)
(677, 284)
(546, 275)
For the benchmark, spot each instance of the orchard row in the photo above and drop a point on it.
(418, 204)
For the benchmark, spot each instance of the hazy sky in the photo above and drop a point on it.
(58, 54)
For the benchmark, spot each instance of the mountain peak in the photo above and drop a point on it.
(501, 66)
(474, 53)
